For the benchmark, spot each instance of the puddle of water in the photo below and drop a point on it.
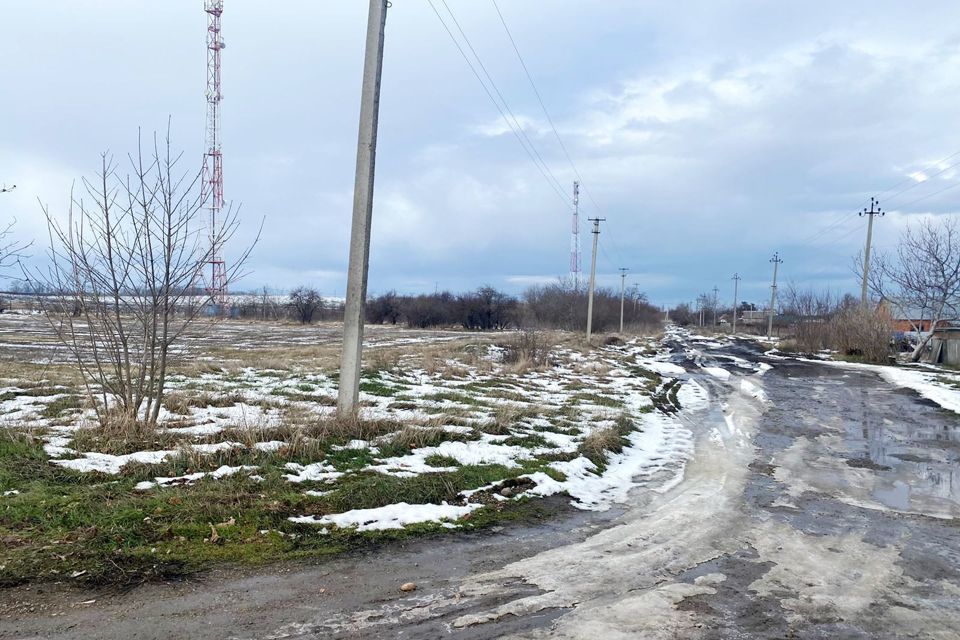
(897, 496)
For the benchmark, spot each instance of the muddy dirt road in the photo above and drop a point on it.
(821, 502)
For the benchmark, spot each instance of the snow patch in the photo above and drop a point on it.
(718, 372)
(111, 464)
(393, 516)
(190, 478)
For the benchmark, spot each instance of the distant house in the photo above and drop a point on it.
(754, 317)
(906, 319)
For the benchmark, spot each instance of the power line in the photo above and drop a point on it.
(606, 256)
(543, 106)
(909, 178)
(819, 232)
(514, 126)
(929, 195)
(918, 183)
(546, 113)
(843, 216)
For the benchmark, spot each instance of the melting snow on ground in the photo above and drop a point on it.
(392, 516)
(549, 412)
(933, 384)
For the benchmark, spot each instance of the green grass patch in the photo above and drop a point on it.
(437, 460)
(377, 387)
(350, 459)
(403, 405)
(652, 377)
(597, 399)
(459, 398)
(300, 396)
(95, 529)
(531, 441)
(506, 394)
(410, 438)
(369, 490)
(484, 385)
(56, 408)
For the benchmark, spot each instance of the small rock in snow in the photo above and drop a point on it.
(408, 586)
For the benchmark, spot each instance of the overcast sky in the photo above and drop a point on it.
(710, 133)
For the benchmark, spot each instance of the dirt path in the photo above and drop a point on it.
(821, 503)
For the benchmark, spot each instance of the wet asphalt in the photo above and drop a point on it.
(907, 452)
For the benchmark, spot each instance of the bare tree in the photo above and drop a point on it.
(130, 261)
(306, 302)
(922, 275)
(10, 250)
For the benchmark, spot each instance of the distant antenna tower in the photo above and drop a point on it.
(212, 157)
(575, 238)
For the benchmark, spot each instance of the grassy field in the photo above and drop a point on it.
(250, 465)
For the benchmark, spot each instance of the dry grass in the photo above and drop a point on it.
(28, 374)
(383, 359)
(417, 437)
(596, 445)
(281, 358)
(528, 350)
(116, 434)
(507, 416)
(592, 368)
(180, 402)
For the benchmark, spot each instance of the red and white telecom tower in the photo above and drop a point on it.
(575, 269)
(212, 157)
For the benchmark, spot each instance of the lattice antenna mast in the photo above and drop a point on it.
(212, 157)
(575, 262)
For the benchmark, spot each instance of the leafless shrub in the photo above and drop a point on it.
(124, 270)
(529, 347)
(10, 250)
(860, 331)
(562, 306)
(384, 359)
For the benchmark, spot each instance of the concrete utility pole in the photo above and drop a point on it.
(623, 281)
(593, 274)
(349, 391)
(716, 302)
(866, 252)
(736, 292)
(773, 291)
